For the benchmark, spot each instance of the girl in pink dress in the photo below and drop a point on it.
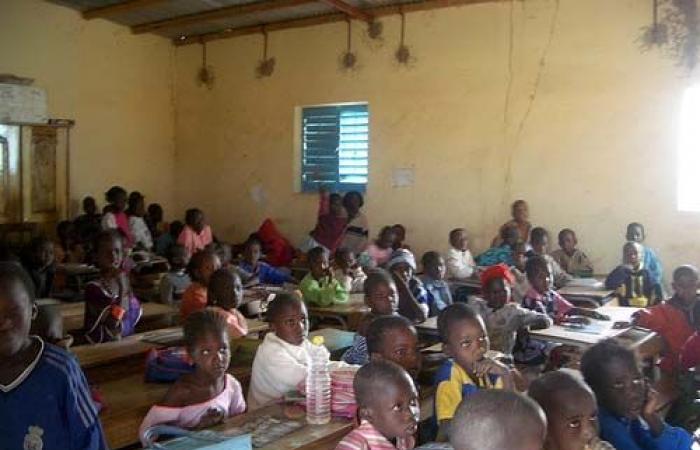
(114, 217)
(225, 294)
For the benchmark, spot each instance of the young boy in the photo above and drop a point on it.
(503, 253)
(388, 409)
(460, 262)
(413, 298)
(634, 284)
(319, 286)
(539, 239)
(347, 271)
(393, 338)
(167, 240)
(673, 319)
(382, 299)
(627, 406)
(465, 342)
(504, 318)
(280, 362)
(40, 265)
(225, 295)
(498, 420)
(569, 258)
(571, 409)
(174, 284)
(45, 398)
(253, 271)
(439, 296)
(635, 233)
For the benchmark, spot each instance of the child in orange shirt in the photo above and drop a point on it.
(202, 265)
(225, 294)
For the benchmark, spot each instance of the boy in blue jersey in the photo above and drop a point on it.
(45, 402)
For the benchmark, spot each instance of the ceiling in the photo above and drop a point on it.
(195, 21)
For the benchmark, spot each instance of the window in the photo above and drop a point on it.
(689, 152)
(334, 147)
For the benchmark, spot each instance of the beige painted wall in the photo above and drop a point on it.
(116, 86)
(588, 139)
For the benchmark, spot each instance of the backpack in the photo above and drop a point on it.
(167, 365)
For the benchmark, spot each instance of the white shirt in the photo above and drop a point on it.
(460, 264)
(140, 232)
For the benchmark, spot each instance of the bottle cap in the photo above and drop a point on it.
(317, 340)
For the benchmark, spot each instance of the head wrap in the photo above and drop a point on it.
(498, 271)
(402, 256)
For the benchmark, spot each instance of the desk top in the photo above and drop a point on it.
(355, 305)
(74, 313)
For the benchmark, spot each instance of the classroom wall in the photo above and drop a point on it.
(118, 88)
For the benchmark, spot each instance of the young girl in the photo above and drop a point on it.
(413, 298)
(114, 217)
(174, 284)
(319, 286)
(197, 234)
(201, 266)
(209, 395)
(139, 230)
(434, 271)
(347, 271)
(356, 231)
(111, 309)
(379, 252)
(330, 224)
(45, 398)
(225, 294)
(399, 237)
(460, 262)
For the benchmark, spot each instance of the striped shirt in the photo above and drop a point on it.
(366, 437)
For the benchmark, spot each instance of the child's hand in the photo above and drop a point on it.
(489, 366)
(213, 416)
(652, 404)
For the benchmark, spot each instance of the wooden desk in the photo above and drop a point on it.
(74, 314)
(347, 315)
(587, 296)
(429, 327)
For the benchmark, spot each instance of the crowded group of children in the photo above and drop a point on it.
(482, 401)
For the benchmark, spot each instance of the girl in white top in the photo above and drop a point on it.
(139, 230)
(460, 262)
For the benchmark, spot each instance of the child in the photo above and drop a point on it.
(520, 283)
(634, 284)
(498, 420)
(635, 233)
(111, 309)
(45, 398)
(174, 284)
(139, 230)
(114, 217)
(413, 298)
(201, 266)
(399, 237)
(465, 342)
(571, 409)
(347, 271)
(388, 409)
(627, 405)
(569, 258)
(319, 287)
(393, 338)
(439, 296)
(254, 271)
(87, 225)
(70, 248)
(330, 224)
(503, 253)
(154, 220)
(379, 252)
(280, 362)
(504, 318)
(382, 299)
(223, 251)
(356, 230)
(197, 234)
(39, 263)
(167, 240)
(539, 239)
(209, 395)
(224, 295)
(520, 212)
(460, 262)
(673, 319)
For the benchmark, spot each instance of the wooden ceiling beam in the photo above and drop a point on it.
(375, 12)
(110, 10)
(352, 11)
(215, 14)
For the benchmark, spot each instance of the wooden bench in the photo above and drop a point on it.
(73, 314)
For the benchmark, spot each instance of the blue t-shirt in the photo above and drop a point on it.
(626, 434)
(49, 406)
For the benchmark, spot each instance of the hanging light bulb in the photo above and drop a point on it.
(403, 53)
(266, 66)
(348, 59)
(205, 75)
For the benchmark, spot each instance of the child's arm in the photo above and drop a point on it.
(532, 319)
(616, 278)
(80, 412)
(561, 278)
(665, 436)
(272, 275)
(406, 297)
(488, 366)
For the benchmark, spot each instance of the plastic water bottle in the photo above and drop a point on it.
(318, 384)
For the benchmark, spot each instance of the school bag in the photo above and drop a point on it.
(195, 440)
(167, 365)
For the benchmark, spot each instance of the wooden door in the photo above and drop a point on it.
(10, 179)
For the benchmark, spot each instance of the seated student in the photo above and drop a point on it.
(201, 266)
(651, 262)
(70, 248)
(498, 420)
(379, 252)
(570, 258)
(167, 240)
(571, 409)
(114, 217)
(388, 409)
(460, 262)
(330, 224)
(539, 239)
(632, 282)
(45, 398)
(223, 251)
(224, 295)
(139, 230)
(520, 211)
(347, 271)
(357, 230)
(279, 366)
(154, 220)
(393, 338)
(465, 341)
(520, 283)
(174, 284)
(503, 253)
(673, 319)
(319, 287)
(382, 299)
(439, 296)
(111, 309)
(196, 235)
(253, 271)
(502, 316)
(207, 396)
(413, 298)
(87, 225)
(39, 263)
(627, 406)
(399, 237)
